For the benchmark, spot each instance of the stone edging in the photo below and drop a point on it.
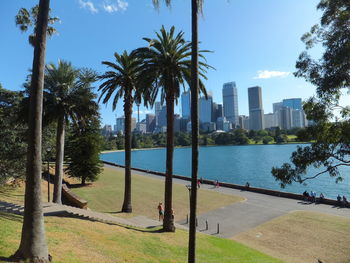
(234, 186)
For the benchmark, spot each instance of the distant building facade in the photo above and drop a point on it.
(186, 105)
(256, 111)
(230, 102)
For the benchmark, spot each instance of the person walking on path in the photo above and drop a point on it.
(198, 184)
(161, 211)
(217, 184)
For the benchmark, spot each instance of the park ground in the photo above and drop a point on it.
(287, 236)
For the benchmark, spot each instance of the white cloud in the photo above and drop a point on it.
(88, 5)
(266, 74)
(120, 5)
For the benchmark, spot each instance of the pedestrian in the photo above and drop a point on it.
(247, 185)
(217, 184)
(161, 211)
(201, 180)
(198, 184)
(339, 200)
(172, 214)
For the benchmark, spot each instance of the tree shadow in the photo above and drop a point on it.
(79, 185)
(11, 216)
(8, 259)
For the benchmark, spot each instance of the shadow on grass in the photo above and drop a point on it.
(10, 216)
(79, 185)
(8, 259)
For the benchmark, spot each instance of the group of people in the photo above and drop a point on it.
(342, 201)
(312, 196)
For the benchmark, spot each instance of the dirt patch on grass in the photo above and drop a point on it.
(301, 237)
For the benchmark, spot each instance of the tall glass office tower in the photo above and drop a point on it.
(186, 105)
(256, 111)
(230, 101)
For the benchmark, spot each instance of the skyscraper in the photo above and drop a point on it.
(205, 109)
(186, 105)
(150, 122)
(157, 109)
(230, 101)
(256, 111)
(294, 103)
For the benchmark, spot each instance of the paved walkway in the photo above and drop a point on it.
(51, 209)
(255, 210)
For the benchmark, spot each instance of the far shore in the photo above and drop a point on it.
(180, 147)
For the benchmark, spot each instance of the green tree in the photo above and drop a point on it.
(83, 150)
(33, 246)
(26, 19)
(12, 133)
(124, 82)
(166, 62)
(267, 139)
(68, 97)
(330, 74)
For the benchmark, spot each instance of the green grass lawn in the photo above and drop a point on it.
(106, 195)
(77, 240)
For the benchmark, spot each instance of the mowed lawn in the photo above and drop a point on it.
(79, 241)
(301, 237)
(106, 195)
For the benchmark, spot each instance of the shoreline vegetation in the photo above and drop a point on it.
(183, 147)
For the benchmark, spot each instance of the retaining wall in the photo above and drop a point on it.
(234, 186)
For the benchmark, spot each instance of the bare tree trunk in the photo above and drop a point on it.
(33, 245)
(127, 208)
(195, 131)
(168, 222)
(57, 191)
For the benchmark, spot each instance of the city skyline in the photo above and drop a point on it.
(265, 57)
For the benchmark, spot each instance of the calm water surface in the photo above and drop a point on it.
(236, 164)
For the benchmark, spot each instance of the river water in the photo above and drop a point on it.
(238, 165)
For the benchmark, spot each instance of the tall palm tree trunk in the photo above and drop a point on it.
(195, 131)
(127, 208)
(168, 223)
(57, 193)
(33, 245)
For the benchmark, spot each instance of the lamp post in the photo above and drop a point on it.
(48, 150)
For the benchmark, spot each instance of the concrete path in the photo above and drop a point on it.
(51, 209)
(255, 210)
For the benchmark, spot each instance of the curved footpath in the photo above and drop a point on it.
(255, 210)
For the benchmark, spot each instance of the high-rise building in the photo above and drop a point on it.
(269, 120)
(107, 130)
(150, 122)
(162, 117)
(157, 109)
(256, 111)
(277, 106)
(295, 103)
(217, 112)
(205, 109)
(120, 124)
(285, 118)
(230, 102)
(244, 122)
(186, 105)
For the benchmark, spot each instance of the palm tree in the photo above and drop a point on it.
(27, 18)
(33, 246)
(196, 7)
(123, 82)
(68, 96)
(167, 61)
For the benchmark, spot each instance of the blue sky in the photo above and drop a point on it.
(255, 42)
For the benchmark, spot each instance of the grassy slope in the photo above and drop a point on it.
(301, 237)
(76, 240)
(106, 195)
